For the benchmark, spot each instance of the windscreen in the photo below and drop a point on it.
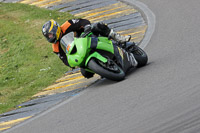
(66, 40)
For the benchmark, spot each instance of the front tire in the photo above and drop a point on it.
(86, 74)
(99, 67)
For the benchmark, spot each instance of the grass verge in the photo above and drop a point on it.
(27, 63)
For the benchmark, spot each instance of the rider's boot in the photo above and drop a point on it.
(119, 38)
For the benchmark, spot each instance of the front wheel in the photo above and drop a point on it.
(109, 70)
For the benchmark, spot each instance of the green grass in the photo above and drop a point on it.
(27, 63)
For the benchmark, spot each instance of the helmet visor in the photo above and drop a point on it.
(50, 35)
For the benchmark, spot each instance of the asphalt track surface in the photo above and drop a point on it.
(120, 16)
(162, 97)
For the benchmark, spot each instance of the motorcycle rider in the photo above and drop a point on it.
(53, 33)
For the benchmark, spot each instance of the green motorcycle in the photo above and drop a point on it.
(102, 56)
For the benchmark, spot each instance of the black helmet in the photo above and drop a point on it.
(52, 31)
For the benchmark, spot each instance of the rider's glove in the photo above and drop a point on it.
(87, 28)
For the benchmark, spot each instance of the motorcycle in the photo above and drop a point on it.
(102, 56)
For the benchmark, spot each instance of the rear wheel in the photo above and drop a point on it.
(139, 55)
(109, 70)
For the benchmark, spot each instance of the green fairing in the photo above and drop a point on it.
(96, 55)
(83, 55)
(105, 44)
(76, 59)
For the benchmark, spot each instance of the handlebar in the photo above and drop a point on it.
(85, 34)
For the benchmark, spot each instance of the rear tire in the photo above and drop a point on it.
(140, 56)
(96, 66)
